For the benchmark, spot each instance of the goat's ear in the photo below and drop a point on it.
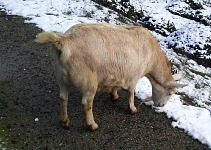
(178, 76)
(175, 85)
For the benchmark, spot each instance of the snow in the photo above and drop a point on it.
(36, 119)
(196, 121)
(59, 15)
(190, 43)
(181, 38)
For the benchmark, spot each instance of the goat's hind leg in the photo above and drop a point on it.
(63, 97)
(114, 93)
(87, 103)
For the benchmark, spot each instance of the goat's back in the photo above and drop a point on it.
(117, 54)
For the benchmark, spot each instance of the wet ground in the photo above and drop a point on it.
(28, 90)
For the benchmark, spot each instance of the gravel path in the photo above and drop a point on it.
(28, 90)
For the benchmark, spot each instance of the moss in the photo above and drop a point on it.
(12, 138)
(3, 91)
(10, 121)
(3, 86)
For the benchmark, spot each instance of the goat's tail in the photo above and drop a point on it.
(56, 39)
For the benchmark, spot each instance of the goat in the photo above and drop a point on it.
(95, 57)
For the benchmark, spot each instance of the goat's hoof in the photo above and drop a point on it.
(66, 123)
(93, 127)
(116, 98)
(134, 111)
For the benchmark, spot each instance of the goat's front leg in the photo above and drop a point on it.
(87, 103)
(63, 96)
(131, 101)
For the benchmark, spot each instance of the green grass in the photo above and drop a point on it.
(186, 100)
(200, 73)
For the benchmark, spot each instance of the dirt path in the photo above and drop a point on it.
(28, 90)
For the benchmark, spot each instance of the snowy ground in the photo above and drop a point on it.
(59, 15)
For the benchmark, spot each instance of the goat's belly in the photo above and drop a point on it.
(109, 84)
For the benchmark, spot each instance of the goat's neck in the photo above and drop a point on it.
(161, 72)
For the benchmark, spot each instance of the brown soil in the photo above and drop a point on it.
(28, 90)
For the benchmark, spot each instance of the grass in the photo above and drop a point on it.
(200, 73)
(186, 100)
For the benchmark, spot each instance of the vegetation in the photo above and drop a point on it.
(123, 7)
(8, 137)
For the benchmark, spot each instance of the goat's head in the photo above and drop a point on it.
(162, 93)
